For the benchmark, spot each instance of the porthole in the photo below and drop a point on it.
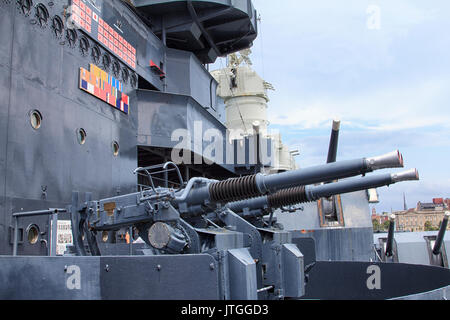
(133, 80)
(42, 14)
(105, 236)
(71, 36)
(25, 6)
(95, 53)
(33, 234)
(35, 119)
(84, 45)
(116, 68)
(115, 147)
(81, 136)
(125, 75)
(106, 61)
(57, 26)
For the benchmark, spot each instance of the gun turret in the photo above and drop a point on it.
(203, 195)
(438, 243)
(302, 194)
(159, 213)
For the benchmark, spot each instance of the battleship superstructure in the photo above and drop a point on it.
(98, 97)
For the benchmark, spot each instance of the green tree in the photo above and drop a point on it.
(428, 226)
(376, 225)
(386, 225)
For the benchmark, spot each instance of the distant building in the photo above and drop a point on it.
(430, 206)
(447, 203)
(415, 219)
(380, 218)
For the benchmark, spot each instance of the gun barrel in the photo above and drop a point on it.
(440, 238)
(253, 186)
(351, 185)
(302, 194)
(390, 239)
(332, 149)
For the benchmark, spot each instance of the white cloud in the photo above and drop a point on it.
(389, 87)
(414, 105)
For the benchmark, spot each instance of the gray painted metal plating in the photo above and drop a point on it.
(201, 25)
(413, 247)
(355, 238)
(17, 215)
(109, 278)
(36, 61)
(45, 64)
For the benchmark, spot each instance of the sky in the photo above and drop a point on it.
(382, 67)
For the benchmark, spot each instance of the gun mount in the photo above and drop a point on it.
(425, 248)
(166, 218)
(202, 195)
(436, 245)
(159, 213)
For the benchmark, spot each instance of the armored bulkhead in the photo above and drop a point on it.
(93, 89)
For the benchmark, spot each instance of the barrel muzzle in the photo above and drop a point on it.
(390, 160)
(336, 125)
(409, 175)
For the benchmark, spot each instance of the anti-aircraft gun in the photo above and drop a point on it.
(388, 252)
(167, 219)
(200, 195)
(419, 248)
(436, 245)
